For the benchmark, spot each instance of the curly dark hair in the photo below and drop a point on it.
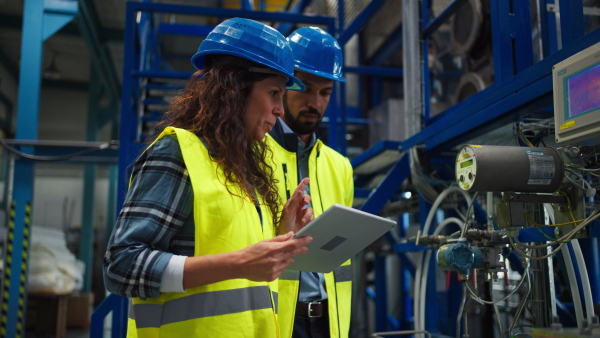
(212, 106)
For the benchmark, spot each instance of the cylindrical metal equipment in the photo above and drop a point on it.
(505, 168)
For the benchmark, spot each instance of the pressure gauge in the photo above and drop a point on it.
(466, 170)
(505, 168)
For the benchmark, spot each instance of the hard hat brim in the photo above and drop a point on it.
(198, 60)
(320, 73)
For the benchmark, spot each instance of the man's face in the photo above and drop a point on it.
(304, 110)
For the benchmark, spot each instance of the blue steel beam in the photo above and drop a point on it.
(501, 41)
(571, 20)
(521, 30)
(58, 13)
(548, 28)
(86, 244)
(111, 303)
(359, 21)
(129, 105)
(147, 36)
(34, 31)
(512, 41)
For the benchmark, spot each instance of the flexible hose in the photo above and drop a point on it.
(490, 208)
(521, 304)
(419, 258)
(425, 273)
(461, 309)
(495, 305)
(585, 281)
(573, 286)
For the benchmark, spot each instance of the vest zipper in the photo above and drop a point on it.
(285, 178)
(316, 175)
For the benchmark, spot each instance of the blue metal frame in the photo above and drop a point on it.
(41, 20)
(571, 20)
(548, 32)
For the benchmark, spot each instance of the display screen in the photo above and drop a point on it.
(466, 163)
(584, 91)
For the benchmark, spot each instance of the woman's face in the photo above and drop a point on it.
(264, 105)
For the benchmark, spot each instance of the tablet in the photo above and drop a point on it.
(338, 234)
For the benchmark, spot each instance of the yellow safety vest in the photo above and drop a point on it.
(331, 182)
(224, 223)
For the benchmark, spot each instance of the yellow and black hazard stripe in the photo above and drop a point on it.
(22, 271)
(7, 269)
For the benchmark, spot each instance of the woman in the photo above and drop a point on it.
(193, 245)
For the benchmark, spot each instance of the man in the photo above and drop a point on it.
(313, 304)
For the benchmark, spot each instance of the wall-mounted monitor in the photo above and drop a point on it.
(576, 84)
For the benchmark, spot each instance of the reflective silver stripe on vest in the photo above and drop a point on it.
(290, 275)
(343, 273)
(276, 301)
(202, 305)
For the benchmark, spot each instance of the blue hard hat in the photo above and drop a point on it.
(317, 52)
(250, 40)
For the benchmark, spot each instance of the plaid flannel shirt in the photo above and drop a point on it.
(156, 221)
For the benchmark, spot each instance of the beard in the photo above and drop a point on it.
(301, 128)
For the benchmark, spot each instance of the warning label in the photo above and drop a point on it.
(541, 169)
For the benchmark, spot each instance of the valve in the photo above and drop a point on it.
(460, 257)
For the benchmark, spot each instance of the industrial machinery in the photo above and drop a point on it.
(524, 263)
(544, 191)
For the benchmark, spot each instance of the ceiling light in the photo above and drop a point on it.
(51, 72)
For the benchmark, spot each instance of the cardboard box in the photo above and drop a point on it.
(46, 314)
(79, 310)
